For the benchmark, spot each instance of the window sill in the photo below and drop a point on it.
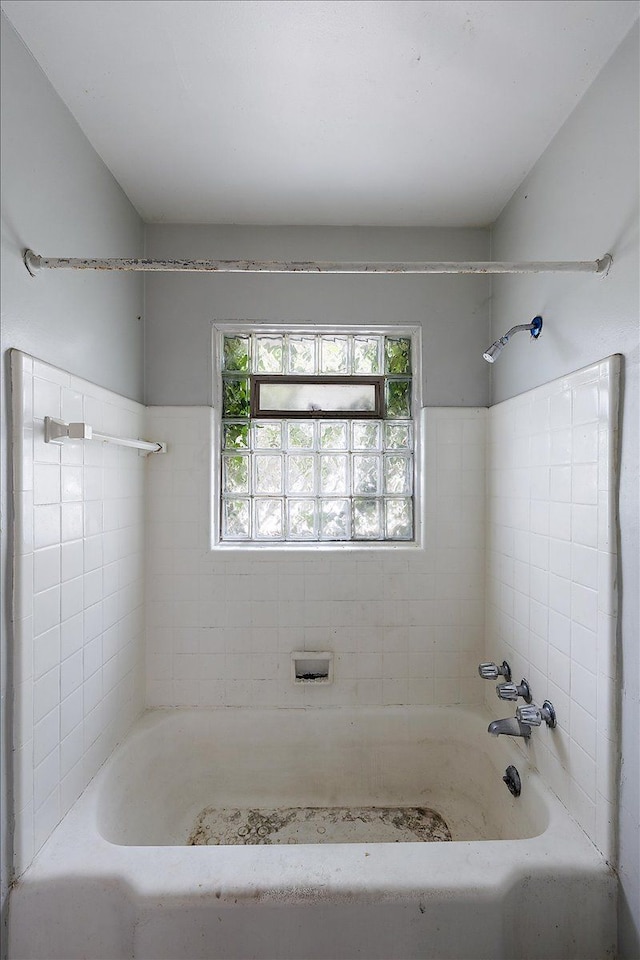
(282, 549)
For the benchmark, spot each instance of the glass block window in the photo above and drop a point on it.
(317, 437)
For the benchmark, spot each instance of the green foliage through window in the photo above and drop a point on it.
(235, 398)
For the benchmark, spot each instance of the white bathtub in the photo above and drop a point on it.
(116, 880)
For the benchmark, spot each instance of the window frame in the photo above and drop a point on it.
(220, 329)
(375, 380)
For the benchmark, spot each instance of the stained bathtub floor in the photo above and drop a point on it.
(318, 825)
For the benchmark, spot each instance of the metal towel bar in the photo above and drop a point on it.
(57, 431)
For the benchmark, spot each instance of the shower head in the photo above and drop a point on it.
(492, 353)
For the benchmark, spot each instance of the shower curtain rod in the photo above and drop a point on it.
(33, 262)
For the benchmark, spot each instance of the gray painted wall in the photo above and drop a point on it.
(581, 200)
(60, 199)
(454, 311)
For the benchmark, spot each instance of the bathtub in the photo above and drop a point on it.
(116, 879)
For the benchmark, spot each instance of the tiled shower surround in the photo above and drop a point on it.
(78, 593)
(552, 568)
(405, 625)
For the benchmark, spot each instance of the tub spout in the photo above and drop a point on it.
(510, 727)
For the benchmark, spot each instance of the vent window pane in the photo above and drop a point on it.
(316, 397)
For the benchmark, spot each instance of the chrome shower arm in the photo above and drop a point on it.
(518, 328)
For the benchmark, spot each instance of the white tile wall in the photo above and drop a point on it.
(406, 625)
(78, 593)
(551, 602)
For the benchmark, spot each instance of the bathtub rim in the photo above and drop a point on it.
(311, 872)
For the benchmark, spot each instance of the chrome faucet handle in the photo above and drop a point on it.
(511, 691)
(535, 716)
(491, 671)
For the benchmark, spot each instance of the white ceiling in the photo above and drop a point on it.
(321, 112)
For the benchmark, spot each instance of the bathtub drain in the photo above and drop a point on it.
(216, 825)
